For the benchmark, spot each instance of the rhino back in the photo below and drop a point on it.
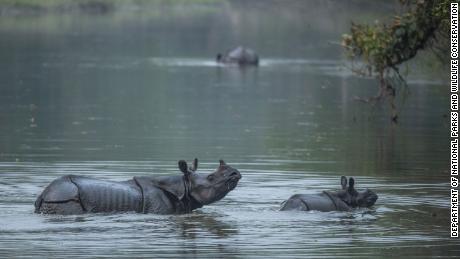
(242, 56)
(236, 54)
(106, 196)
(320, 202)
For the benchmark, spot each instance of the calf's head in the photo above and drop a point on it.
(210, 188)
(366, 198)
(354, 198)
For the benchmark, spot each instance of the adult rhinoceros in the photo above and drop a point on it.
(240, 55)
(73, 194)
(343, 200)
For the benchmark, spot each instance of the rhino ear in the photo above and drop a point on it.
(195, 165)
(183, 166)
(222, 162)
(351, 184)
(343, 182)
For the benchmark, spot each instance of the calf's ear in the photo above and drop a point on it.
(351, 184)
(343, 182)
(221, 162)
(183, 166)
(194, 165)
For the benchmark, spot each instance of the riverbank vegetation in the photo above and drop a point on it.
(38, 7)
(33, 7)
(378, 50)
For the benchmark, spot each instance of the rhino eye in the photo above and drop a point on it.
(210, 177)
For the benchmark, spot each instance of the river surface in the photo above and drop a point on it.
(131, 92)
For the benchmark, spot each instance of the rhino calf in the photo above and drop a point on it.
(343, 200)
(73, 194)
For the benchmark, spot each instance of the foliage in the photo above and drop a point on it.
(382, 47)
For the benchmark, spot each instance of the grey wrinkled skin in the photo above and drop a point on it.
(343, 200)
(240, 55)
(72, 194)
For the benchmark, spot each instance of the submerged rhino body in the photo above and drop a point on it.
(343, 200)
(240, 55)
(73, 194)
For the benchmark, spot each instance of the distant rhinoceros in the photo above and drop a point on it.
(240, 55)
(73, 194)
(343, 200)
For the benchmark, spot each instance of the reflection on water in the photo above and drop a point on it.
(130, 93)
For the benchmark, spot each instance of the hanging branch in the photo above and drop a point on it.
(383, 47)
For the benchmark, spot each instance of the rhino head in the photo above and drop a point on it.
(206, 189)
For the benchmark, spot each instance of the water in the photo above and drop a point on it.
(129, 93)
